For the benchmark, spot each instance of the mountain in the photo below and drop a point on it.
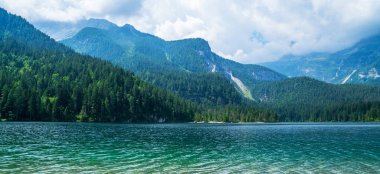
(307, 99)
(42, 80)
(358, 64)
(64, 30)
(170, 63)
(189, 68)
(148, 55)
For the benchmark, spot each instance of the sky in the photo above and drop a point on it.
(247, 31)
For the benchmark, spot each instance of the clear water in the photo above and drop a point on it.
(189, 148)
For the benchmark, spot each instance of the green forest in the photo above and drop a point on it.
(307, 99)
(201, 88)
(42, 80)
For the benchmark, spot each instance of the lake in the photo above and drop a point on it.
(189, 148)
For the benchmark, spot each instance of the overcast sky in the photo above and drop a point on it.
(247, 31)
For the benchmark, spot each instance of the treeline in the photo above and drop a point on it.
(362, 111)
(235, 113)
(351, 112)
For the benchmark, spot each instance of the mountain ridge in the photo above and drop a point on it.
(42, 80)
(358, 64)
(141, 52)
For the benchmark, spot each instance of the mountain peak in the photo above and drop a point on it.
(356, 64)
(197, 43)
(98, 23)
(88, 32)
(129, 26)
(369, 42)
(197, 39)
(64, 30)
(3, 10)
(98, 20)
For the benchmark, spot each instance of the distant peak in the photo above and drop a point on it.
(371, 40)
(97, 19)
(99, 23)
(131, 30)
(86, 29)
(88, 32)
(198, 44)
(197, 41)
(2, 9)
(129, 26)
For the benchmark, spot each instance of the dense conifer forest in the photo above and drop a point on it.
(42, 80)
(307, 99)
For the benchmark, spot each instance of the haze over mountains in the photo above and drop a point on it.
(359, 64)
(64, 30)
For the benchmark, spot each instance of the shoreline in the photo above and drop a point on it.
(203, 122)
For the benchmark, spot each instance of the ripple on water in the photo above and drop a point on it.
(189, 148)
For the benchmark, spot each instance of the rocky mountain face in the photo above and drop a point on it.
(358, 64)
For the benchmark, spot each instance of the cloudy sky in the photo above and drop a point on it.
(247, 31)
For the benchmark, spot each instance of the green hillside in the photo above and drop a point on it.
(147, 55)
(305, 99)
(43, 80)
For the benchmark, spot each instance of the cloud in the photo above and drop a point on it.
(259, 31)
(71, 10)
(245, 31)
(239, 53)
(189, 27)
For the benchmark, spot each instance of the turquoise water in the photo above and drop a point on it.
(189, 148)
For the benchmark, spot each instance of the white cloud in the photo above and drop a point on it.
(257, 31)
(189, 27)
(246, 31)
(239, 53)
(70, 10)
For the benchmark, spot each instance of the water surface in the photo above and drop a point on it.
(189, 148)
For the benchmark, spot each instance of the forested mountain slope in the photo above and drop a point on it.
(307, 99)
(148, 55)
(295, 99)
(44, 80)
